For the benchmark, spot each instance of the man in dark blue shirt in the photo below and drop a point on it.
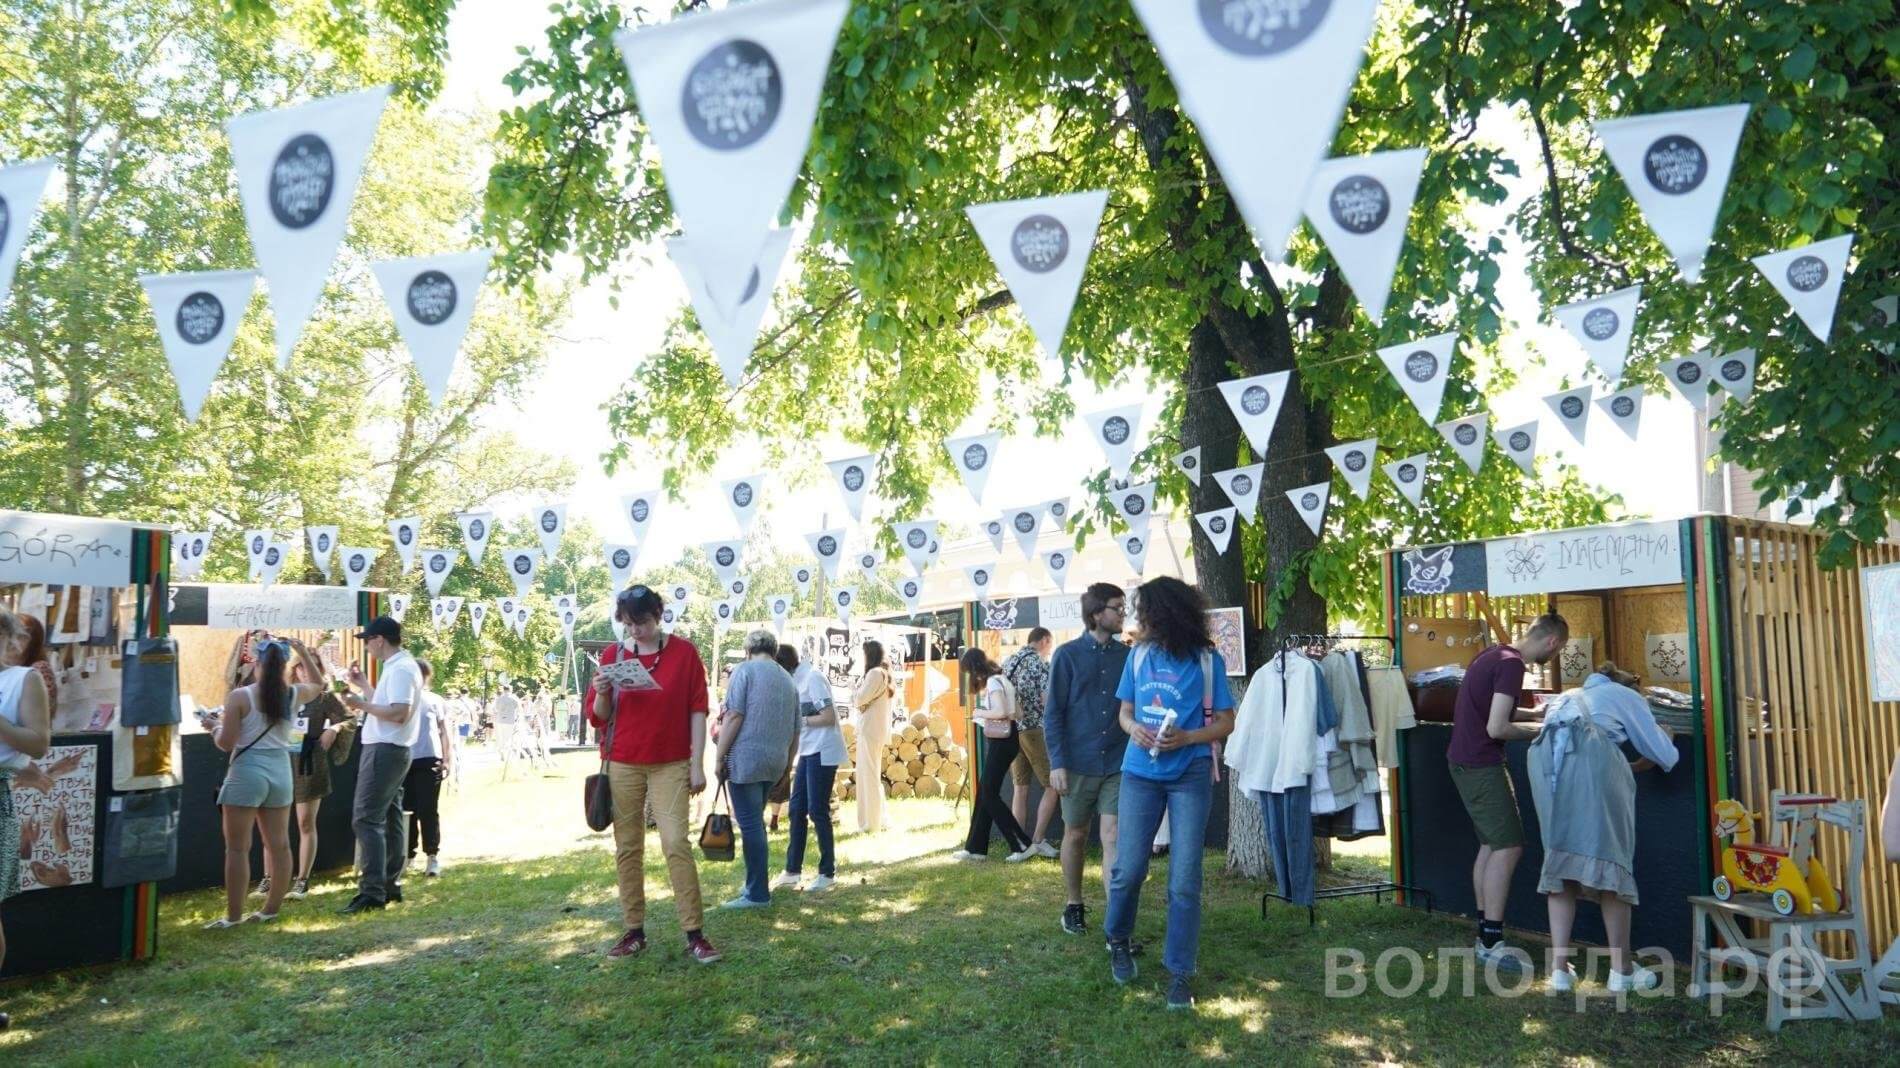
(1081, 725)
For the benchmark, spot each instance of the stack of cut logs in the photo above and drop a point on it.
(921, 760)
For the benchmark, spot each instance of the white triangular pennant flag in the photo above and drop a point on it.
(1189, 464)
(1058, 512)
(476, 528)
(1056, 563)
(1310, 502)
(679, 593)
(1135, 505)
(522, 565)
(973, 457)
(1466, 438)
(356, 564)
(981, 578)
(915, 538)
(742, 496)
(191, 553)
(436, 565)
(935, 550)
(1360, 205)
(736, 589)
(637, 509)
(1255, 403)
(1408, 475)
(728, 98)
(994, 530)
(1883, 313)
(275, 554)
(1219, 527)
(853, 476)
(1676, 165)
(1520, 444)
(398, 606)
(802, 579)
(1114, 429)
(1691, 377)
(732, 333)
(568, 618)
(725, 612)
(1134, 550)
(297, 170)
(505, 610)
(1573, 410)
(523, 613)
(1026, 524)
(843, 599)
(910, 591)
(1227, 56)
(1354, 460)
(1242, 486)
(1735, 372)
(1422, 367)
(1603, 326)
(405, 533)
(828, 547)
(432, 299)
(21, 186)
(255, 542)
(620, 561)
(197, 315)
(725, 557)
(781, 606)
(445, 612)
(477, 616)
(322, 544)
(670, 618)
(1809, 279)
(563, 602)
(1041, 247)
(1625, 408)
(867, 561)
(550, 523)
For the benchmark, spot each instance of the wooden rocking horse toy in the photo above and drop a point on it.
(1794, 878)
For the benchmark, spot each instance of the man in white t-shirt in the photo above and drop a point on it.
(507, 717)
(390, 727)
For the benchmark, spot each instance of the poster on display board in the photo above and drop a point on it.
(237, 607)
(1008, 613)
(1880, 606)
(54, 798)
(1588, 558)
(64, 550)
(1228, 627)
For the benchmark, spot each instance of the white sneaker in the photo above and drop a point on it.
(966, 855)
(434, 868)
(1638, 979)
(820, 884)
(1044, 849)
(221, 924)
(785, 881)
(1561, 981)
(1019, 857)
(1509, 959)
(744, 902)
(261, 916)
(299, 890)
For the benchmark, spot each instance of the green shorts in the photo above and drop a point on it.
(1033, 761)
(1090, 796)
(1491, 803)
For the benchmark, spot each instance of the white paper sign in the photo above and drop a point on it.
(1310, 502)
(550, 524)
(522, 564)
(297, 170)
(620, 560)
(1520, 444)
(1228, 57)
(356, 563)
(1421, 368)
(198, 316)
(1676, 165)
(405, 533)
(1359, 205)
(1735, 372)
(728, 97)
(1466, 438)
(1354, 460)
(1809, 279)
(1134, 547)
(725, 557)
(1135, 505)
(280, 608)
(1691, 377)
(973, 456)
(853, 476)
(732, 334)
(742, 496)
(1242, 486)
(1255, 403)
(1189, 464)
(1219, 527)
(1603, 326)
(436, 566)
(1573, 410)
(1408, 474)
(322, 543)
(1026, 524)
(981, 576)
(1592, 558)
(1055, 563)
(843, 599)
(398, 606)
(1041, 247)
(1625, 409)
(1114, 429)
(432, 299)
(828, 547)
(21, 186)
(476, 528)
(915, 539)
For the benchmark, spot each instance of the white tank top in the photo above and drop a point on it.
(252, 728)
(12, 684)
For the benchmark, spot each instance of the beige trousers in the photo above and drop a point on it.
(874, 731)
(667, 786)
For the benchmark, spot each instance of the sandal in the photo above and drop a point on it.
(220, 924)
(261, 917)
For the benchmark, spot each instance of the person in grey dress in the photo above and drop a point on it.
(758, 736)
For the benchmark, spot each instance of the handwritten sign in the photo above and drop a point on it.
(280, 607)
(1587, 558)
(64, 550)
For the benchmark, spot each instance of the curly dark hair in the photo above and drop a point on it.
(1173, 615)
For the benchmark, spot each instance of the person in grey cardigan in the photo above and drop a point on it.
(758, 736)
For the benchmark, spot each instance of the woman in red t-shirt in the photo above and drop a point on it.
(654, 750)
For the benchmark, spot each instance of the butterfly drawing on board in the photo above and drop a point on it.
(1428, 573)
(1524, 561)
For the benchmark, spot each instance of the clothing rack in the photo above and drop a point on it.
(1376, 890)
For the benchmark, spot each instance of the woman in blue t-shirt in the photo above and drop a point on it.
(1175, 705)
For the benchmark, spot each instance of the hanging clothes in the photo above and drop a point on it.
(1273, 746)
(1355, 722)
(1335, 781)
(1289, 821)
(1392, 711)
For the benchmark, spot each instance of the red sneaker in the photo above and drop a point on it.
(631, 944)
(702, 951)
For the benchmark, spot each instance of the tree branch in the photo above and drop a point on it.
(1553, 189)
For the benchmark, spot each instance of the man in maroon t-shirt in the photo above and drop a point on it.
(654, 753)
(1483, 719)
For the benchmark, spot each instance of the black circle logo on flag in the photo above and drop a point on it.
(271, 557)
(667, 616)
(1189, 463)
(751, 287)
(679, 593)
(933, 548)
(1520, 441)
(1408, 473)
(1057, 561)
(1115, 430)
(523, 564)
(1688, 373)
(1040, 243)
(1571, 407)
(1355, 461)
(853, 478)
(199, 318)
(1622, 407)
(1675, 165)
(1421, 366)
(1807, 274)
(1254, 400)
(975, 457)
(1260, 28)
(993, 527)
(1024, 522)
(1058, 510)
(257, 546)
(1309, 501)
(1359, 204)
(1465, 434)
(438, 563)
(917, 539)
(802, 575)
(779, 607)
(980, 577)
(1134, 545)
(725, 556)
(725, 610)
(197, 544)
(639, 510)
(1242, 485)
(827, 546)
(549, 520)
(1218, 524)
(6, 220)
(301, 181)
(1599, 324)
(1734, 370)
(477, 530)
(323, 542)
(405, 534)
(910, 588)
(844, 598)
(358, 563)
(867, 562)
(431, 297)
(622, 560)
(742, 494)
(731, 97)
(1133, 504)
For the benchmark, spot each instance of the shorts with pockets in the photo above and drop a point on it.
(1033, 760)
(1492, 804)
(1090, 796)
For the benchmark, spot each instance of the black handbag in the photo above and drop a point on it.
(715, 837)
(598, 787)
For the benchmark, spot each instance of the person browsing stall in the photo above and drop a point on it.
(390, 728)
(1081, 724)
(821, 749)
(1027, 669)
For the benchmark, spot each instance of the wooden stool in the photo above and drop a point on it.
(1810, 984)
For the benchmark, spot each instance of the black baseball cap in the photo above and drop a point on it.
(382, 627)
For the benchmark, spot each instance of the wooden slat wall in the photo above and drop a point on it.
(1805, 719)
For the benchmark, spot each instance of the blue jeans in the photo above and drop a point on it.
(811, 799)
(748, 811)
(1185, 801)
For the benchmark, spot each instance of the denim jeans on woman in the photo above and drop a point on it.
(811, 799)
(1185, 800)
(748, 811)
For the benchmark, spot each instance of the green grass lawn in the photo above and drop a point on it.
(911, 959)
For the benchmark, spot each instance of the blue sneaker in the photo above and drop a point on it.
(1121, 963)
